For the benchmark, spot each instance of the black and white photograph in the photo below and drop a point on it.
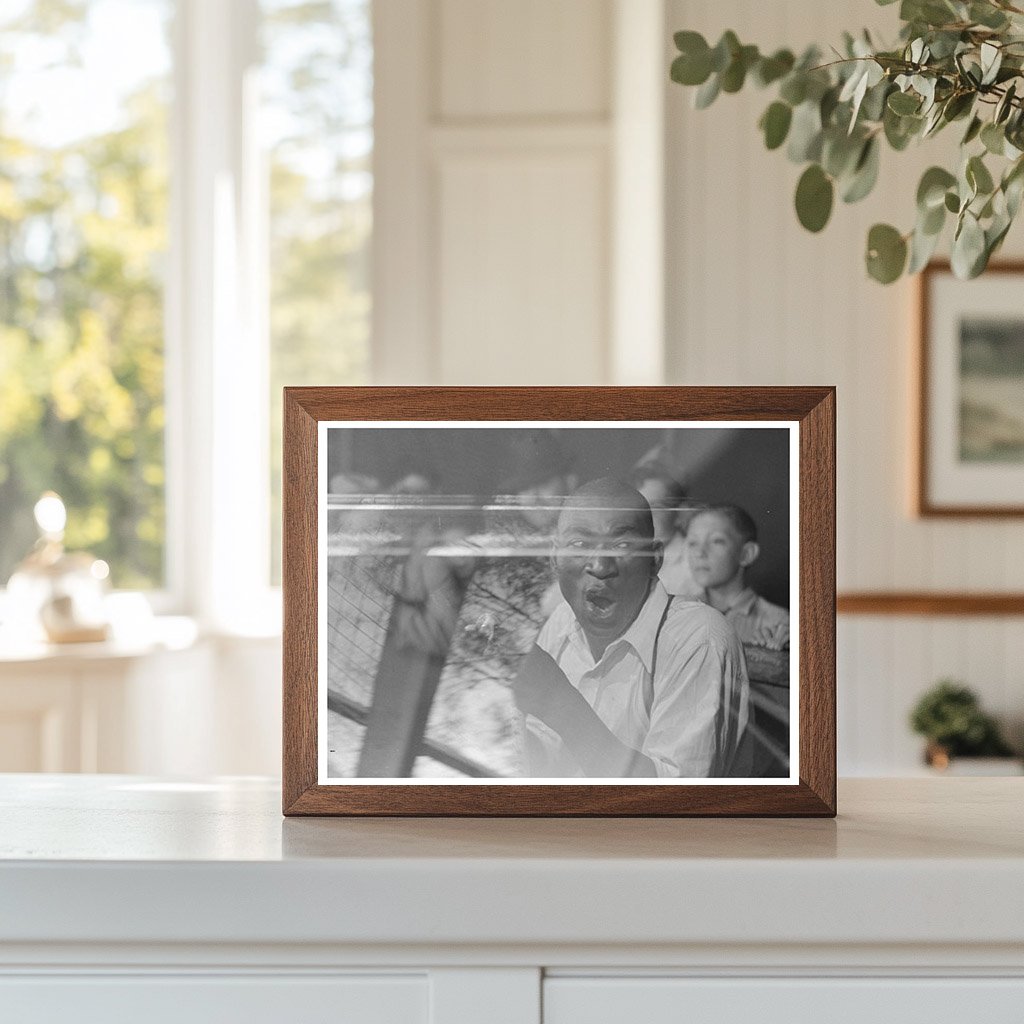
(551, 602)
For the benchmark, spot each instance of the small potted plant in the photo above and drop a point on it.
(950, 717)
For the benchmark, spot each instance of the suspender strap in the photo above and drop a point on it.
(649, 691)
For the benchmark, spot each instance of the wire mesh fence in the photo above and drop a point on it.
(373, 541)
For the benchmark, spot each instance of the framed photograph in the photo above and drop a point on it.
(559, 601)
(970, 451)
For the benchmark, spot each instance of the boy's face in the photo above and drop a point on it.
(716, 552)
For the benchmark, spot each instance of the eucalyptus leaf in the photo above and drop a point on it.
(707, 93)
(978, 176)
(903, 103)
(775, 123)
(966, 189)
(987, 15)
(931, 190)
(930, 12)
(814, 195)
(687, 71)
(865, 174)
(735, 74)
(958, 105)
(817, 83)
(1005, 104)
(771, 69)
(900, 130)
(688, 42)
(1014, 192)
(970, 71)
(840, 152)
(952, 202)
(944, 44)
(794, 88)
(856, 89)
(932, 221)
(968, 247)
(993, 138)
(922, 248)
(828, 104)
(973, 129)
(805, 133)
(995, 233)
(810, 58)
(991, 60)
(933, 122)
(873, 106)
(925, 88)
(725, 50)
(886, 253)
(1013, 187)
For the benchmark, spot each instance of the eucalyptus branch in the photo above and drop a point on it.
(833, 117)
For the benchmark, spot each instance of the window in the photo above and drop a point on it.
(317, 118)
(185, 221)
(83, 236)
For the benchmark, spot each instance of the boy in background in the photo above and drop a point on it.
(721, 541)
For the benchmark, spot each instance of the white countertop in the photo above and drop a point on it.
(120, 859)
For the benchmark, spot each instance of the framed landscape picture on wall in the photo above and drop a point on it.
(522, 601)
(970, 451)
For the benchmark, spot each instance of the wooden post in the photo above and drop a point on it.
(403, 692)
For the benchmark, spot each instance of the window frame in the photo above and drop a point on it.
(217, 438)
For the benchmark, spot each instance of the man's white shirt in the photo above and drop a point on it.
(673, 686)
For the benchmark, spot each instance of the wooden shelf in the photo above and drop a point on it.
(928, 603)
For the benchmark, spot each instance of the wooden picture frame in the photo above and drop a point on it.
(807, 413)
(962, 469)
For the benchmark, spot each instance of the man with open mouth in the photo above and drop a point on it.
(624, 680)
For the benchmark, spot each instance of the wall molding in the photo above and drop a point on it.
(928, 603)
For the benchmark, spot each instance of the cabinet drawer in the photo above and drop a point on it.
(659, 1000)
(202, 999)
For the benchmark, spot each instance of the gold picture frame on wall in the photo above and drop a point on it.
(340, 518)
(970, 383)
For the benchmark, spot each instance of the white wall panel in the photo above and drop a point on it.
(521, 273)
(493, 207)
(527, 58)
(522, 207)
(754, 299)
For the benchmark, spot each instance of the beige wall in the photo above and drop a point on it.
(519, 240)
(754, 299)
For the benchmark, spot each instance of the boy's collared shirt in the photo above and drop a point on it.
(673, 686)
(750, 613)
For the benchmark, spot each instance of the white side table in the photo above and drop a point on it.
(94, 707)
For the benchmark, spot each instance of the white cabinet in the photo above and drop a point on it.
(133, 898)
(823, 1000)
(216, 1000)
